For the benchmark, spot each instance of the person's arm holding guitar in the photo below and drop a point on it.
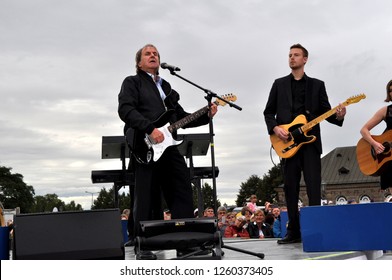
(378, 117)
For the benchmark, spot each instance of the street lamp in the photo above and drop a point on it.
(92, 197)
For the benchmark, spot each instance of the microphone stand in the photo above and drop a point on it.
(208, 97)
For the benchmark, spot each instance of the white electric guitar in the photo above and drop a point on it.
(151, 151)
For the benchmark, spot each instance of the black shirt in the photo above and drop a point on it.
(298, 94)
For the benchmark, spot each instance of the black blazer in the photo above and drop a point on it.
(140, 104)
(278, 109)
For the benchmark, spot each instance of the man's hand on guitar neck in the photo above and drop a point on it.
(213, 110)
(281, 133)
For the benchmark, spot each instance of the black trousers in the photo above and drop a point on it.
(308, 161)
(168, 176)
(386, 176)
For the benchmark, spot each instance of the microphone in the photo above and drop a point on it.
(164, 65)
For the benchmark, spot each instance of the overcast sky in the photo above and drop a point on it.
(63, 62)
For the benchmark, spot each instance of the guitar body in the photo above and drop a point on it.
(369, 162)
(144, 150)
(287, 149)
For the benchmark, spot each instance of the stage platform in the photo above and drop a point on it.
(274, 251)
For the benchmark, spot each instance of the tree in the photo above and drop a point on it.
(73, 207)
(47, 203)
(263, 188)
(105, 200)
(124, 201)
(273, 179)
(207, 194)
(14, 192)
(251, 186)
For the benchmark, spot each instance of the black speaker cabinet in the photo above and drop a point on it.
(79, 235)
(180, 234)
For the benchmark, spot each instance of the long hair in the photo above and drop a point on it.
(388, 91)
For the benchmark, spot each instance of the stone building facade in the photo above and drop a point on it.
(342, 181)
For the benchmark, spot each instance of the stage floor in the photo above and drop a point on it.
(274, 251)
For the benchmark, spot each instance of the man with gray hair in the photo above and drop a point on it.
(144, 101)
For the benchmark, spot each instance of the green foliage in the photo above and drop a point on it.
(273, 179)
(251, 186)
(48, 202)
(105, 200)
(207, 193)
(124, 201)
(14, 192)
(72, 206)
(262, 188)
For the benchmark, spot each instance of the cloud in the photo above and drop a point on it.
(62, 68)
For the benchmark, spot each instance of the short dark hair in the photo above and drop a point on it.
(138, 56)
(389, 84)
(299, 46)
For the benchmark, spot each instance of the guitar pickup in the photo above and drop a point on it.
(288, 148)
(148, 141)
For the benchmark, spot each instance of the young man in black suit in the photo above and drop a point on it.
(291, 96)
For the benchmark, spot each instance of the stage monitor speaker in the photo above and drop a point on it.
(180, 234)
(158, 227)
(94, 234)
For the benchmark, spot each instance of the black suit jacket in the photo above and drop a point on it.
(140, 104)
(278, 109)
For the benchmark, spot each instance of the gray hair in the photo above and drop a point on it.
(138, 56)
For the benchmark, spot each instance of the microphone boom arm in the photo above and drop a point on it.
(207, 91)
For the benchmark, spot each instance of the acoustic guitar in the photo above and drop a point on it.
(370, 163)
(298, 129)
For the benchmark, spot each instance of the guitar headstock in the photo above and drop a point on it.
(228, 97)
(356, 98)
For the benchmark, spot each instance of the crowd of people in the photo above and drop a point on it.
(251, 222)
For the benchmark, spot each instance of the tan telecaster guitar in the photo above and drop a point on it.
(370, 163)
(298, 130)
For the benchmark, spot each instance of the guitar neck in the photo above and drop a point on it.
(308, 126)
(184, 121)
